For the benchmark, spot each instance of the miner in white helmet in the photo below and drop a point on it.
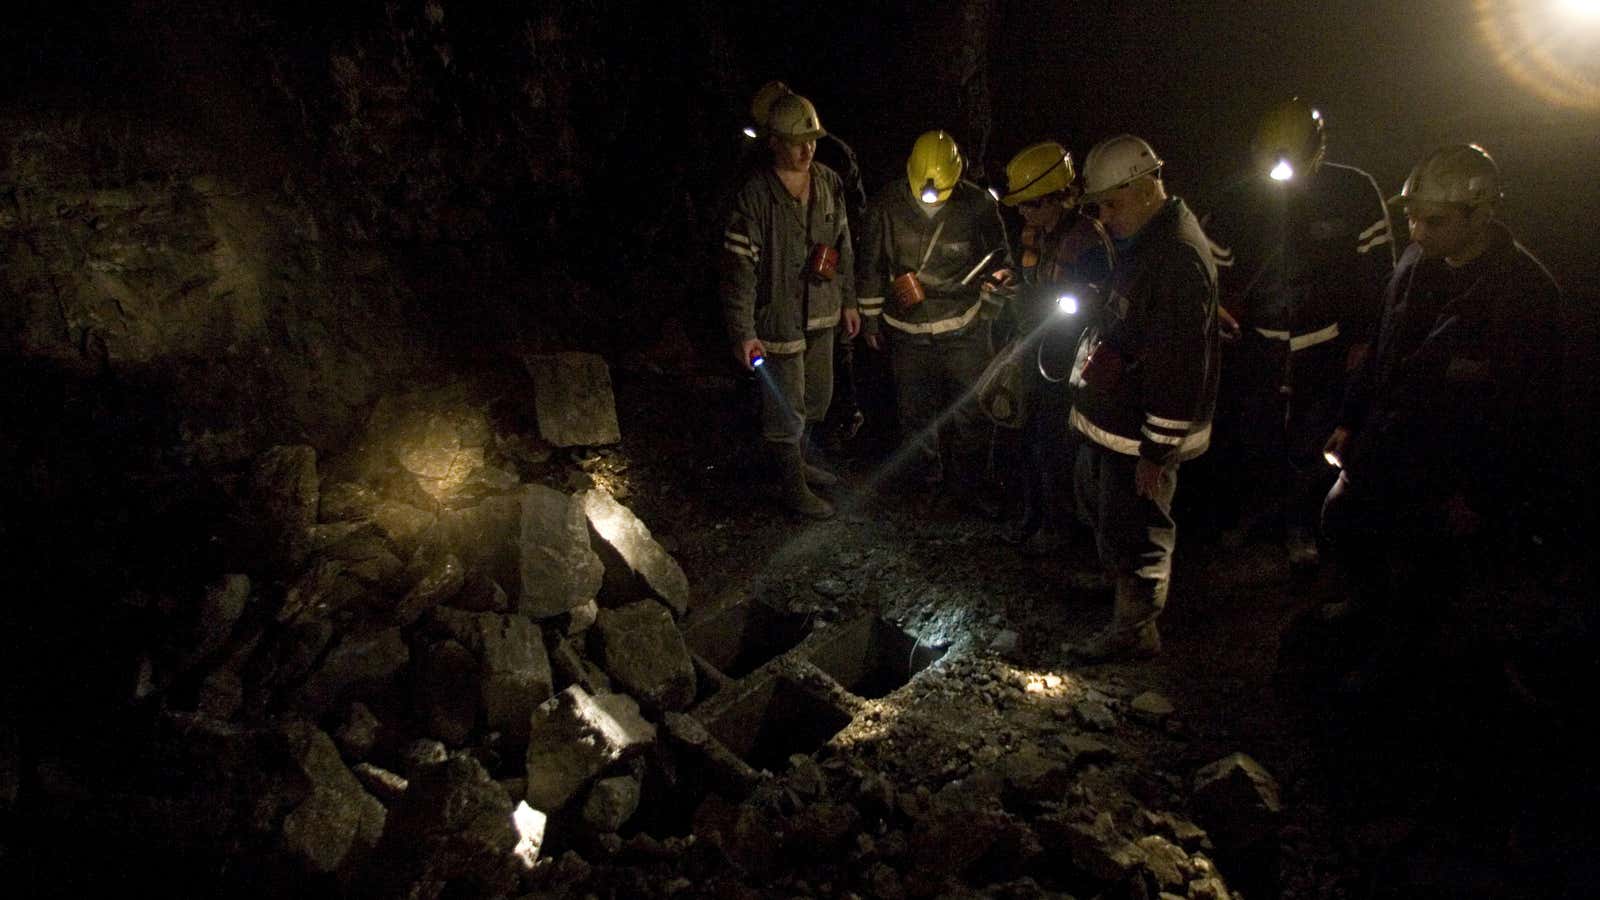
(1145, 383)
(1448, 439)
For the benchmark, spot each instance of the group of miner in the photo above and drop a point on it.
(1390, 408)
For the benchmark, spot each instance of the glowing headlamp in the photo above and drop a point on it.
(1067, 304)
(930, 194)
(1332, 459)
(1283, 171)
(750, 131)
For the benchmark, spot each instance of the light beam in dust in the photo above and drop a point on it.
(1549, 47)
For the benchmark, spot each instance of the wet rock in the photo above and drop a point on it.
(632, 557)
(447, 691)
(359, 665)
(611, 803)
(1238, 800)
(641, 648)
(381, 783)
(515, 675)
(573, 399)
(453, 833)
(574, 737)
(558, 567)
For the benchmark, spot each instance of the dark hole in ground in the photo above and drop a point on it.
(776, 721)
(871, 657)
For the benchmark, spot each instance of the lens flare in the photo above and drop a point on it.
(1067, 304)
(1549, 47)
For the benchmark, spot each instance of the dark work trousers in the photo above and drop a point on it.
(933, 380)
(1047, 450)
(1134, 536)
(840, 419)
(1287, 408)
(796, 388)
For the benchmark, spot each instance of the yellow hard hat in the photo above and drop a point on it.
(1038, 171)
(794, 119)
(761, 103)
(934, 167)
(1289, 140)
(1462, 174)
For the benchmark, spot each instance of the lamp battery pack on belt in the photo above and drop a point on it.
(823, 263)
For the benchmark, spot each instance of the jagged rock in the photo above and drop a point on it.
(1185, 833)
(805, 777)
(360, 664)
(1151, 708)
(1033, 778)
(574, 737)
(821, 829)
(515, 676)
(221, 694)
(347, 501)
(337, 820)
(443, 579)
(288, 659)
(321, 590)
(403, 523)
(559, 569)
(1165, 861)
(452, 833)
(1094, 715)
(480, 593)
(581, 618)
(1095, 846)
(640, 646)
(611, 803)
(485, 536)
(358, 733)
(219, 611)
(325, 536)
(573, 399)
(387, 786)
(436, 436)
(279, 506)
(1237, 799)
(1209, 888)
(571, 667)
(632, 557)
(366, 555)
(447, 691)
(952, 837)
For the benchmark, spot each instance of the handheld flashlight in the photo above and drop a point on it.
(1067, 304)
(757, 360)
(1333, 459)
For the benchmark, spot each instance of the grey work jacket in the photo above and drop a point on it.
(766, 243)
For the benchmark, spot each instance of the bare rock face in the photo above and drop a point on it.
(575, 737)
(559, 570)
(338, 819)
(572, 395)
(633, 559)
(1237, 799)
(642, 649)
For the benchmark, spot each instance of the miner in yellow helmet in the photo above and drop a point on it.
(1303, 250)
(1451, 437)
(1062, 257)
(930, 241)
(787, 286)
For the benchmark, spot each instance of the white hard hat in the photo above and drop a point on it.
(1463, 174)
(794, 119)
(1116, 161)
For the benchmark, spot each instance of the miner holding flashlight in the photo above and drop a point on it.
(787, 284)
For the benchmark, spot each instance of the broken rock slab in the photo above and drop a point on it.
(337, 821)
(574, 737)
(641, 648)
(515, 675)
(559, 569)
(611, 803)
(632, 557)
(1238, 800)
(573, 399)
(358, 665)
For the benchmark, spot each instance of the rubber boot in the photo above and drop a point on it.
(792, 483)
(1132, 633)
(815, 475)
